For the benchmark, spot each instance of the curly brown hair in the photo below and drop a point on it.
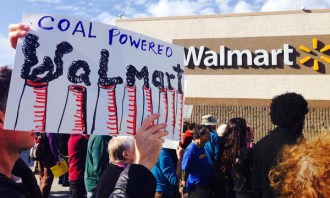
(234, 139)
(304, 169)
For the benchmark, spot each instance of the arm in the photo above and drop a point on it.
(179, 154)
(167, 167)
(187, 157)
(99, 155)
(216, 147)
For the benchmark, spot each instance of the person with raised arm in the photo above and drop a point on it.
(136, 180)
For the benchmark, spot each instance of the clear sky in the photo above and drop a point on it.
(106, 11)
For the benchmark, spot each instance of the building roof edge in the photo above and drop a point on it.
(224, 15)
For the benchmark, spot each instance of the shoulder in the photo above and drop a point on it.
(8, 188)
(190, 148)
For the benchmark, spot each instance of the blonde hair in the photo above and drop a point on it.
(303, 169)
(116, 147)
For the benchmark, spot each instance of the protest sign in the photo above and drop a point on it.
(76, 76)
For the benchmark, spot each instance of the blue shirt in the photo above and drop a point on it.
(197, 166)
(212, 147)
(165, 173)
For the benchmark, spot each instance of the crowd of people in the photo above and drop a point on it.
(209, 162)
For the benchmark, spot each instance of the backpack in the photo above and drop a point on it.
(37, 151)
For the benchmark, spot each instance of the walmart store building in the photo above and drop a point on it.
(236, 63)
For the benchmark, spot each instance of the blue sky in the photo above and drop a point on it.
(106, 11)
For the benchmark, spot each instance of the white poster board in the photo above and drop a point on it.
(76, 76)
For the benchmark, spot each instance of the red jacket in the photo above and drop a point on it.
(77, 149)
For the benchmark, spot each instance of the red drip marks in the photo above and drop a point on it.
(112, 124)
(180, 114)
(39, 106)
(131, 120)
(164, 96)
(78, 93)
(172, 100)
(148, 96)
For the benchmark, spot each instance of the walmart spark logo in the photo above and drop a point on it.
(308, 57)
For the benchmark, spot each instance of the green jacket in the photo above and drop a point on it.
(97, 159)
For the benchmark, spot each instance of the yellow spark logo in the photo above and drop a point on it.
(315, 47)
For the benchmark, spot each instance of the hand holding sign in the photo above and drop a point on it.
(16, 31)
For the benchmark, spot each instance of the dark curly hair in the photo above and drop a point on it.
(5, 75)
(288, 109)
(234, 140)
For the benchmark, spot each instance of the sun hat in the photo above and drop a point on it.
(209, 120)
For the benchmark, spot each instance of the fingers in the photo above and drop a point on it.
(148, 121)
(16, 31)
(156, 128)
(18, 26)
(159, 134)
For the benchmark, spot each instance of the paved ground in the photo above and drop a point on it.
(57, 191)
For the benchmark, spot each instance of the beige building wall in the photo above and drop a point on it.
(242, 94)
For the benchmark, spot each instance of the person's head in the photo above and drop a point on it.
(185, 126)
(235, 132)
(288, 111)
(210, 121)
(303, 170)
(201, 133)
(121, 149)
(221, 130)
(12, 141)
(192, 126)
(250, 133)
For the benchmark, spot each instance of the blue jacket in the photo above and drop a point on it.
(165, 173)
(212, 147)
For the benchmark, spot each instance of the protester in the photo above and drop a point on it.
(49, 158)
(237, 160)
(212, 146)
(196, 168)
(188, 136)
(287, 111)
(136, 180)
(250, 136)
(303, 170)
(166, 173)
(121, 151)
(97, 160)
(11, 144)
(212, 150)
(77, 148)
